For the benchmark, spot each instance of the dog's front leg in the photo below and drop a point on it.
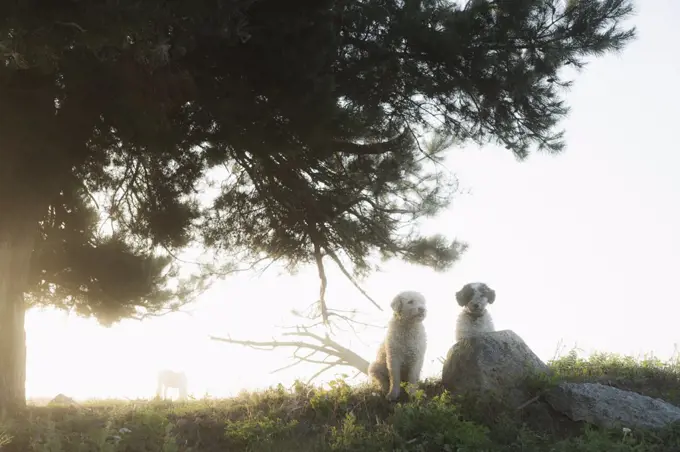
(414, 374)
(394, 370)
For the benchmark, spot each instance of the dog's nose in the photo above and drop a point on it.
(421, 310)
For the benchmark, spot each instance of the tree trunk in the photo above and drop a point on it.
(16, 246)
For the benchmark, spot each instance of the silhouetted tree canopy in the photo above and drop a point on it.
(111, 113)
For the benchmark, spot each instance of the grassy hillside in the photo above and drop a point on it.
(351, 419)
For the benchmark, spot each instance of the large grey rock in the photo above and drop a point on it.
(497, 364)
(610, 407)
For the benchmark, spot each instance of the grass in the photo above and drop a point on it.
(344, 418)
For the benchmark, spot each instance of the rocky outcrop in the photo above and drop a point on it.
(501, 368)
(497, 364)
(610, 407)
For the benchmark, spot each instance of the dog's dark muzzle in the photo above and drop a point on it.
(475, 310)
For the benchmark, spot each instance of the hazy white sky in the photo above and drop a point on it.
(581, 248)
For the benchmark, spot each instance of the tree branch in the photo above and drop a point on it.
(325, 346)
(372, 148)
(317, 374)
(352, 280)
(324, 282)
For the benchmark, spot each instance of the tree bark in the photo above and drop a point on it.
(39, 148)
(16, 245)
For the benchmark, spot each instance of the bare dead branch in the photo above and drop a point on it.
(325, 345)
(295, 363)
(351, 321)
(271, 345)
(316, 375)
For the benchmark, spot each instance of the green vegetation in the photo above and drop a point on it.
(343, 418)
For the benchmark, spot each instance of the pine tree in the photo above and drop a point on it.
(112, 113)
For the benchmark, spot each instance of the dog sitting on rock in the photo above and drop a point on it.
(475, 318)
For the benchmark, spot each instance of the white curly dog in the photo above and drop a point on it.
(475, 318)
(401, 355)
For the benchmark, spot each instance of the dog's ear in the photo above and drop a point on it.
(463, 295)
(396, 304)
(490, 295)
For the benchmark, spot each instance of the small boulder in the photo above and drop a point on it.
(62, 400)
(610, 407)
(497, 364)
